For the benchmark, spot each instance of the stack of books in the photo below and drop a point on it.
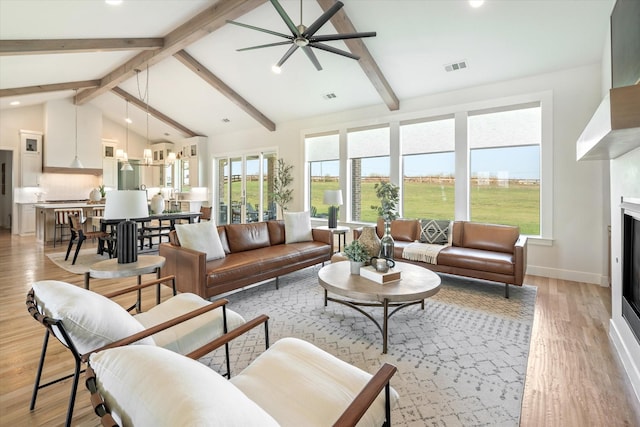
(369, 272)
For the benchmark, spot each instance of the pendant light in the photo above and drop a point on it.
(126, 166)
(147, 157)
(76, 164)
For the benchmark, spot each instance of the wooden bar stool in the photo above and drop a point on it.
(61, 221)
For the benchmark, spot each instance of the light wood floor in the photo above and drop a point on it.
(573, 377)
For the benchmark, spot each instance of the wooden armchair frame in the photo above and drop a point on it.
(349, 418)
(56, 327)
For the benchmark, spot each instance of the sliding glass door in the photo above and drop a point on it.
(243, 188)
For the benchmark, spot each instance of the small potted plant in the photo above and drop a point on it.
(357, 254)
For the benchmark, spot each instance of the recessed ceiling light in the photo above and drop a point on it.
(476, 3)
(14, 103)
(113, 2)
(128, 120)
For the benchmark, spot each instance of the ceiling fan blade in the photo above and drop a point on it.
(263, 45)
(311, 30)
(330, 37)
(287, 55)
(334, 50)
(285, 18)
(251, 27)
(312, 57)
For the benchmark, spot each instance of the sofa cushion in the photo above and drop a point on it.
(201, 236)
(401, 229)
(192, 334)
(151, 386)
(299, 384)
(434, 231)
(297, 227)
(245, 237)
(276, 232)
(489, 237)
(90, 319)
(477, 259)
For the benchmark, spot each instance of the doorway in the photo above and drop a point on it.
(6, 189)
(244, 186)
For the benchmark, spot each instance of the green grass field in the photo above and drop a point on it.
(515, 205)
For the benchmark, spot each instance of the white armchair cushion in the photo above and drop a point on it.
(192, 334)
(152, 386)
(90, 319)
(297, 227)
(201, 236)
(299, 384)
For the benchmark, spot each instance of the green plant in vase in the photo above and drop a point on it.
(389, 196)
(357, 254)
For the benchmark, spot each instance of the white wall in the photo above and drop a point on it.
(579, 249)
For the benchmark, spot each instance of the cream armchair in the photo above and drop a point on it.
(83, 320)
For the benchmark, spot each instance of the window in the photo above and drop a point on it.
(428, 168)
(369, 155)
(323, 153)
(505, 175)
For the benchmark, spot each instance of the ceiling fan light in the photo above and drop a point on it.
(476, 3)
(276, 69)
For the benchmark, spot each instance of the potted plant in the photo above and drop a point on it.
(282, 194)
(357, 254)
(389, 196)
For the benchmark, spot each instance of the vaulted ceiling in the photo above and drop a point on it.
(200, 85)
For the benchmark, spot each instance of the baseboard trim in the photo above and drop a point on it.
(576, 276)
(629, 361)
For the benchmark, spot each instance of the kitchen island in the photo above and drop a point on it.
(46, 221)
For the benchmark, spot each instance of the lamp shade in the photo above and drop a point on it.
(126, 204)
(333, 197)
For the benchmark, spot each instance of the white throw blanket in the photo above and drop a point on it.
(424, 252)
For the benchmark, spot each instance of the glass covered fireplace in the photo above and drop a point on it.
(631, 264)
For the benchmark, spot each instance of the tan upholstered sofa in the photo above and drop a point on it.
(483, 251)
(254, 252)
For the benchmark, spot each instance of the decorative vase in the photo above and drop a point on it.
(95, 195)
(355, 267)
(386, 243)
(157, 204)
(370, 240)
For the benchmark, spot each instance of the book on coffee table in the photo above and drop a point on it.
(370, 273)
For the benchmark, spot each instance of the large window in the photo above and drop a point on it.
(428, 168)
(369, 156)
(324, 170)
(505, 166)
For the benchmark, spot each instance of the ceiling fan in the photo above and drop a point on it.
(303, 37)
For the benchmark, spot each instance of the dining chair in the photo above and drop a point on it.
(61, 221)
(77, 232)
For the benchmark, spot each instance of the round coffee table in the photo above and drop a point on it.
(416, 284)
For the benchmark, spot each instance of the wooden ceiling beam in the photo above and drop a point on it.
(343, 24)
(155, 113)
(194, 29)
(28, 90)
(191, 63)
(50, 46)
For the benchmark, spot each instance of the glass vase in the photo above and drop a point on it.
(386, 243)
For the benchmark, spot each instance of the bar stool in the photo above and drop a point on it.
(61, 221)
(97, 212)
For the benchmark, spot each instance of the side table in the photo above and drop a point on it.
(110, 269)
(341, 231)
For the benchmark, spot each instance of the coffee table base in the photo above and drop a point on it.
(385, 304)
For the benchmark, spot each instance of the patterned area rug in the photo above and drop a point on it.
(461, 362)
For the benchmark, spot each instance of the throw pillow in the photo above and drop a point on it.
(90, 319)
(435, 232)
(297, 227)
(201, 236)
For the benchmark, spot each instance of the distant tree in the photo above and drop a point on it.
(282, 194)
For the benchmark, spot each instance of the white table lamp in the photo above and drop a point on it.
(126, 205)
(333, 198)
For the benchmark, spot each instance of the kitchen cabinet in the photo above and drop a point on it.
(30, 158)
(27, 218)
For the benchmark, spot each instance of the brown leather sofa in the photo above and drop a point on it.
(483, 251)
(254, 252)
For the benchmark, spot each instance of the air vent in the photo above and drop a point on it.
(329, 96)
(461, 65)
(225, 120)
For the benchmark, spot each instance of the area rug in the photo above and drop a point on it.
(461, 362)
